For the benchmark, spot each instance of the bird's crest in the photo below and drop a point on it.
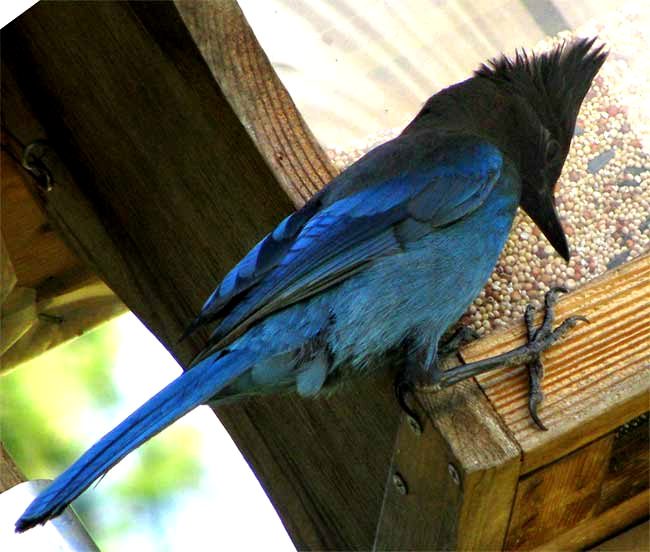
(553, 82)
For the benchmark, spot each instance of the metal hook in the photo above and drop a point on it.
(32, 161)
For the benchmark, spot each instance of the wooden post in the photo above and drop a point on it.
(451, 487)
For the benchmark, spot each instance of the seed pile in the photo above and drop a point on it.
(603, 195)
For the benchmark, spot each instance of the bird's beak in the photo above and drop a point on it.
(546, 218)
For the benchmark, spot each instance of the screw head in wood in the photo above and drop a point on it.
(32, 161)
(414, 425)
(453, 472)
(400, 484)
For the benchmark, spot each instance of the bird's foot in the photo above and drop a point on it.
(539, 340)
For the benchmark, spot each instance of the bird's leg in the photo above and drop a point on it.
(405, 382)
(460, 337)
(404, 386)
(530, 354)
(535, 366)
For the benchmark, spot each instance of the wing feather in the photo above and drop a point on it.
(326, 246)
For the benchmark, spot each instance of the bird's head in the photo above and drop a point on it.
(543, 94)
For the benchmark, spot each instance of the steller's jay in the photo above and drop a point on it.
(388, 255)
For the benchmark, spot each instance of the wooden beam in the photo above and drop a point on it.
(161, 189)
(256, 94)
(53, 296)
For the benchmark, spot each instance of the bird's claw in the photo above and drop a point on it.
(535, 394)
(541, 339)
(404, 386)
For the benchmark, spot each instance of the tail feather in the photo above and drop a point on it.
(194, 387)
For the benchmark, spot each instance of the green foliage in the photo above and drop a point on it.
(48, 408)
(173, 457)
(43, 399)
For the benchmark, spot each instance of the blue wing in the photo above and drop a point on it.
(351, 222)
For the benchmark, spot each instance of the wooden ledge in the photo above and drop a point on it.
(596, 379)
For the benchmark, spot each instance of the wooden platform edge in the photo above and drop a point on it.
(596, 379)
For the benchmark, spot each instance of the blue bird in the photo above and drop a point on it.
(388, 255)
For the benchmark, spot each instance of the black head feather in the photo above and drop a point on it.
(527, 107)
(554, 83)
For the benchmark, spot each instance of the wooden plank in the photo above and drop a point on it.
(10, 474)
(628, 470)
(556, 498)
(608, 523)
(596, 380)
(460, 474)
(161, 190)
(8, 278)
(59, 319)
(40, 258)
(57, 297)
(578, 489)
(636, 539)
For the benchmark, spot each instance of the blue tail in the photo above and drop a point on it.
(194, 387)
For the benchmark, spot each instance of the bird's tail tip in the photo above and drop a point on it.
(23, 524)
(191, 389)
(37, 514)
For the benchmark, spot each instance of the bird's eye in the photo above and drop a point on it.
(553, 151)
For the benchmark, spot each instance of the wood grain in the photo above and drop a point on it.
(596, 380)
(256, 94)
(40, 258)
(8, 278)
(628, 468)
(57, 296)
(558, 497)
(10, 474)
(635, 539)
(576, 490)
(161, 190)
(461, 475)
(608, 523)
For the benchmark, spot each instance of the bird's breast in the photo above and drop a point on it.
(424, 289)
